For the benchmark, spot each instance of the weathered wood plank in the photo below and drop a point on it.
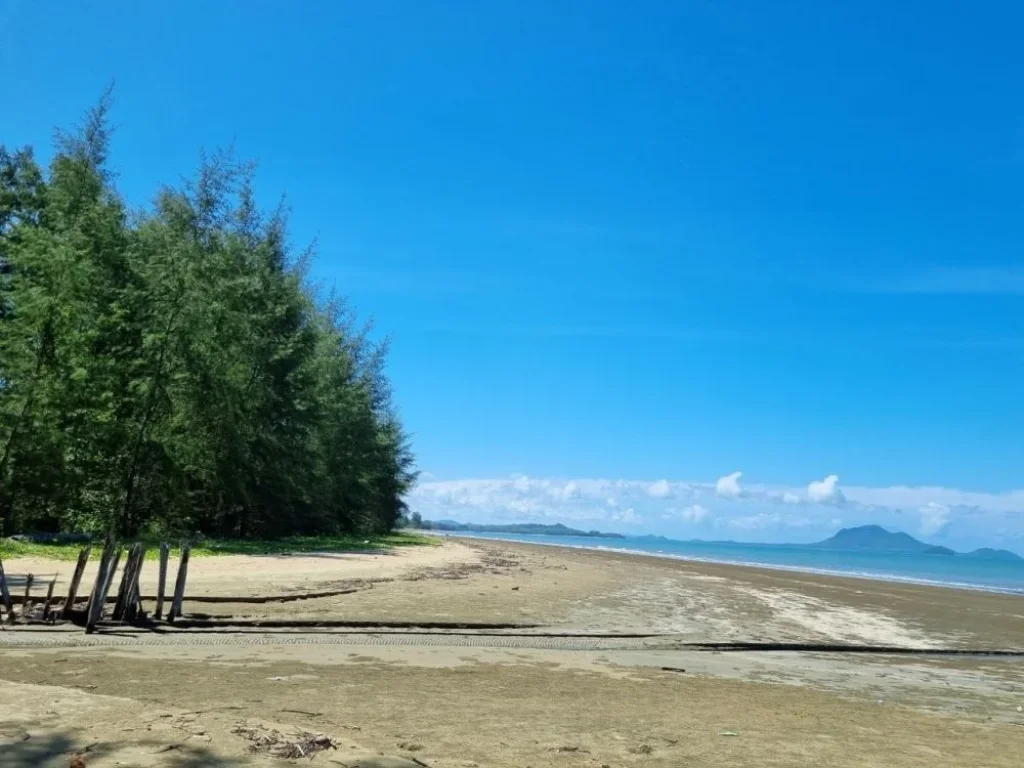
(5, 594)
(165, 551)
(179, 584)
(76, 578)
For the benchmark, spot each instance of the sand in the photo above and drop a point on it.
(268, 574)
(538, 697)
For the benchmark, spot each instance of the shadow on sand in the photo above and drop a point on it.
(59, 749)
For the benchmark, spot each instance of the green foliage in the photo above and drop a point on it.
(170, 371)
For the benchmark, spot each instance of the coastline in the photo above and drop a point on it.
(715, 602)
(888, 577)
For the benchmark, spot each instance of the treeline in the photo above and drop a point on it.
(169, 370)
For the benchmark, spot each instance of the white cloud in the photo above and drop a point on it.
(761, 512)
(659, 490)
(729, 486)
(756, 522)
(626, 516)
(695, 513)
(934, 517)
(825, 491)
(565, 492)
(912, 497)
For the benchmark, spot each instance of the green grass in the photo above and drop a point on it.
(213, 547)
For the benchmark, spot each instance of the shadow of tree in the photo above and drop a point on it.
(56, 750)
(52, 750)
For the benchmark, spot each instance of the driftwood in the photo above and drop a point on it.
(5, 594)
(162, 583)
(179, 584)
(76, 578)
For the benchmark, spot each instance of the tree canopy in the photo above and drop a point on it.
(171, 369)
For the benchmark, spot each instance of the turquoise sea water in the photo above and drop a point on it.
(944, 570)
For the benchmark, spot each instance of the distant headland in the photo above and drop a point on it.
(874, 538)
(538, 529)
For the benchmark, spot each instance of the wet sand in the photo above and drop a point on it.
(529, 700)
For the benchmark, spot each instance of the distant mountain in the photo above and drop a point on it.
(525, 528)
(987, 553)
(875, 538)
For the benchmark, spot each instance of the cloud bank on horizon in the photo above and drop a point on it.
(730, 508)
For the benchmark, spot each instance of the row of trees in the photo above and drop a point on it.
(171, 370)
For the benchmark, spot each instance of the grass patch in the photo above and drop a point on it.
(213, 547)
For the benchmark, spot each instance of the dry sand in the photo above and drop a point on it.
(530, 700)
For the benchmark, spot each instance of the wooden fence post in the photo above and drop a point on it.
(111, 573)
(29, 581)
(49, 599)
(5, 594)
(98, 597)
(69, 602)
(133, 610)
(164, 552)
(179, 584)
(127, 596)
(124, 591)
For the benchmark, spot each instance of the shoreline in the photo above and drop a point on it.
(887, 578)
(660, 701)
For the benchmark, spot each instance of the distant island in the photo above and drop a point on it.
(875, 538)
(557, 529)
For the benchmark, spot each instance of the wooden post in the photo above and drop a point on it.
(5, 594)
(94, 609)
(69, 602)
(127, 595)
(179, 584)
(49, 599)
(110, 575)
(29, 580)
(124, 591)
(165, 550)
(133, 610)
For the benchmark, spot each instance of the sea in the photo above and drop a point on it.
(938, 570)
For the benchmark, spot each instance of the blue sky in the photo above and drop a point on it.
(638, 242)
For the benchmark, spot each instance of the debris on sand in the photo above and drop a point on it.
(276, 744)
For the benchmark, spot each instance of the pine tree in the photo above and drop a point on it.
(171, 369)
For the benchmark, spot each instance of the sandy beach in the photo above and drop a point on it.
(619, 660)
